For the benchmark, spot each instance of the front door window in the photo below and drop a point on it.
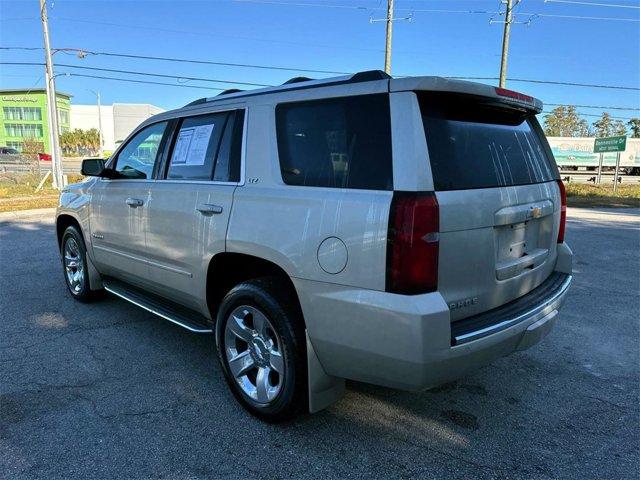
(137, 158)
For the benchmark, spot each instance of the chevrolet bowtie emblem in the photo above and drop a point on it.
(536, 212)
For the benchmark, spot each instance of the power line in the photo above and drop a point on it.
(184, 60)
(592, 106)
(578, 17)
(603, 107)
(149, 82)
(532, 15)
(593, 4)
(162, 75)
(592, 115)
(440, 10)
(226, 64)
(149, 74)
(361, 8)
(551, 82)
(267, 67)
(141, 81)
(300, 4)
(210, 34)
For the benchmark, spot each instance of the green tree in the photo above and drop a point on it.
(564, 121)
(619, 128)
(80, 142)
(634, 126)
(32, 146)
(68, 142)
(607, 127)
(92, 140)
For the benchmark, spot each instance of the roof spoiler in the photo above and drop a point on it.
(520, 99)
(464, 87)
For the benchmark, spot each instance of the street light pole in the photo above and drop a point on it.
(505, 43)
(97, 94)
(52, 111)
(387, 50)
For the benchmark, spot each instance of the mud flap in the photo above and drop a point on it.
(324, 389)
(565, 259)
(95, 280)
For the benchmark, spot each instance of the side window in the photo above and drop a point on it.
(227, 167)
(137, 158)
(339, 143)
(195, 147)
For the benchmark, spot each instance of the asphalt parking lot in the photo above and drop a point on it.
(109, 391)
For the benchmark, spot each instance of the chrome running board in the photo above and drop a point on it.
(181, 316)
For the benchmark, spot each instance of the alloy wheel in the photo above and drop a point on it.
(73, 265)
(253, 351)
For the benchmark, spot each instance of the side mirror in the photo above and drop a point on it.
(93, 167)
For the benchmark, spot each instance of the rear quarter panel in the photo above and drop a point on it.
(286, 224)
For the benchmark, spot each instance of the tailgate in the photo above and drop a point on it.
(496, 244)
(496, 185)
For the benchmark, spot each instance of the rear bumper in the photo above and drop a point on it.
(524, 308)
(408, 342)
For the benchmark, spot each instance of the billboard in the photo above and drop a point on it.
(578, 152)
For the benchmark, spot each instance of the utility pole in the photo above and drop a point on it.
(505, 43)
(387, 50)
(97, 94)
(52, 111)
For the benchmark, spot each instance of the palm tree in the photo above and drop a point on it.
(634, 125)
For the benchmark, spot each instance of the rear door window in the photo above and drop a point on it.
(337, 143)
(195, 147)
(478, 143)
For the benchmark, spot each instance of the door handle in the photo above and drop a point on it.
(134, 202)
(209, 209)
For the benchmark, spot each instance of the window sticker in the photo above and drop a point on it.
(181, 150)
(192, 144)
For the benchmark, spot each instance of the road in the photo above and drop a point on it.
(107, 390)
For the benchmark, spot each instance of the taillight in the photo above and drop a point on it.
(412, 246)
(563, 211)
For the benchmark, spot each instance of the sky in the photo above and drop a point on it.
(329, 35)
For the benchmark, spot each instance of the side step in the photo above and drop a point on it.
(182, 316)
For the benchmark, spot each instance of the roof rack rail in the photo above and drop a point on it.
(196, 102)
(297, 79)
(369, 76)
(229, 90)
(366, 76)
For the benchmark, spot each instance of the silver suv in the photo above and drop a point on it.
(400, 232)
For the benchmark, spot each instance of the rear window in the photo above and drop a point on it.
(338, 142)
(477, 142)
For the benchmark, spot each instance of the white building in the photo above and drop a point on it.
(118, 120)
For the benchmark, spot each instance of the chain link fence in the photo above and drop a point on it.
(16, 165)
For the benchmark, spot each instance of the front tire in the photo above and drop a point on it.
(261, 346)
(74, 264)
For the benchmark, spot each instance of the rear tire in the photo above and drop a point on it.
(75, 268)
(262, 349)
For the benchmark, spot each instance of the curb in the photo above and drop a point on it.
(17, 215)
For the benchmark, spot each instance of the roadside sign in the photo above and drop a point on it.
(610, 144)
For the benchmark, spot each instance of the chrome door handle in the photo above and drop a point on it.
(134, 202)
(209, 209)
